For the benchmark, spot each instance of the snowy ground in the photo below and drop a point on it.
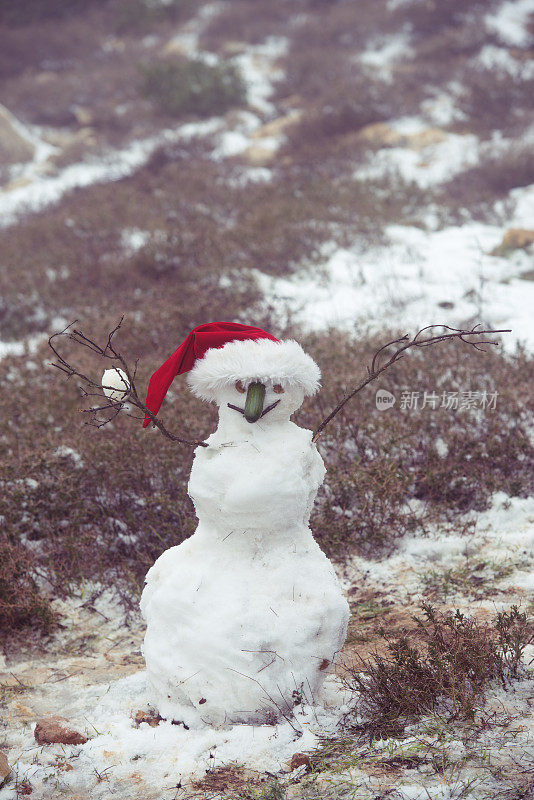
(93, 675)
(93, 670)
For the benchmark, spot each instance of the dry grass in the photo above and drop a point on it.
(443, 666)
(475, 191)
(377, 461)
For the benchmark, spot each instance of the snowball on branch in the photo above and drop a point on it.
(115, 384)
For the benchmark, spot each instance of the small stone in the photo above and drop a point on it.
(5, 769)
(514, 239)
(378, 134)
(277, 126)
(56, 730)
(84, 116)
(259, 156)
(151, 717)
(300, 760)
(426, 138)
(14, 147)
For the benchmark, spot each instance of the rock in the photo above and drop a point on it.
(45, 77)
(259, 156)
(514, 239)
(379, 134)
(5, 769)
(426, 138)
(84, 116)
(56, 730)
(175, 47)
(277, 126)
(234, 48)
(14, 147)
(300, 760)
(76, 148)
(151, 717)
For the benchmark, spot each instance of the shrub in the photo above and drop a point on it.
(495, 99)
(136, 16)
(431, 16)
(21, 602)
(498, 171)
(444, 665)
(24, 12)
(193, 87)
(378, 461)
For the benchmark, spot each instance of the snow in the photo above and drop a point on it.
(35, 189)
(63, 451)
(504, 534)
(493, 57)
(510, 22)
(20, 347)
(411, 277)
(250, 659)
(431, 165)
(115, 384)
(382, 55)
(257, 66)
(133, 239)
(156, 758)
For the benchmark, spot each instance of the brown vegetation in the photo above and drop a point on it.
(444, 665)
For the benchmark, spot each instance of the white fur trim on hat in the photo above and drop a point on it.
(263, 359)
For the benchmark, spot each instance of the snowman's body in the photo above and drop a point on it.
(245, 617)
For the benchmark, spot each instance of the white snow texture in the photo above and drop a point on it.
(245, 617)
(257, 359)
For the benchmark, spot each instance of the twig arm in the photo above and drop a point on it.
(90, 387)
(405, 343)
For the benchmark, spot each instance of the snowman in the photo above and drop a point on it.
(245, 618)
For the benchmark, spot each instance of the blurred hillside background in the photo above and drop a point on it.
(339, 172)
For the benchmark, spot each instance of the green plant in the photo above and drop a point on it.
(192, 87)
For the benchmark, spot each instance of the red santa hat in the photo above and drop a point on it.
(213, 335)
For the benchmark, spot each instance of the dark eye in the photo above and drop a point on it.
(278, 388)
(239, 386)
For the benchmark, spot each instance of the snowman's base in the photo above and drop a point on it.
(158, 756)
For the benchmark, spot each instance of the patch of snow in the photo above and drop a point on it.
(116, 164)
(29, 345)
(493, 57)
(154, 758)
(503, 534)
(510, 22)
(187, 39)
(34, 135)
(133, 239)
(419, 276)
(442, 447)
(432, 165)
(441, 109)
(63, 451)
(382, 55)
(258, 70)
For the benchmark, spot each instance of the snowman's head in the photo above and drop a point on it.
(256, 378)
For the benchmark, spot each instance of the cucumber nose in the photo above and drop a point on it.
(254, 402)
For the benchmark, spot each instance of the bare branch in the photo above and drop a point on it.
(374, 371)
(92, 388)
